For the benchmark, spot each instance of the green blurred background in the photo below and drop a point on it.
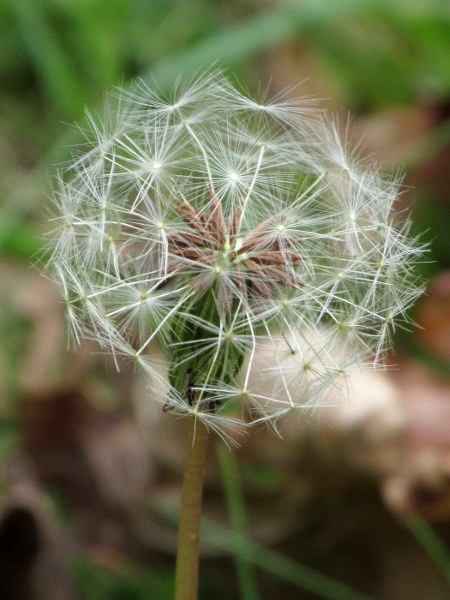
(387, 63)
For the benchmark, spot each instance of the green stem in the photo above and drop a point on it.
(186, 577)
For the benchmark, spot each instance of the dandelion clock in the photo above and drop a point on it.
(237, 252)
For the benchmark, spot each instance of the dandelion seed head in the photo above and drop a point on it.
(235, 250)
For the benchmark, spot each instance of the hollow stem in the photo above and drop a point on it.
(186, 576)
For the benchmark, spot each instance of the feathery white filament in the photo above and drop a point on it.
(242, 236)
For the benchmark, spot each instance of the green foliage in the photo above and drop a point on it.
(431, 543)
(77, 50)
(127, 583)
(61, 55)
(386, 54)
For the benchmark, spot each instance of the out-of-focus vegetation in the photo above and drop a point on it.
(59, 57)
(67, 430)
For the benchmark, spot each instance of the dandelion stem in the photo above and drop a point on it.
(186, 577)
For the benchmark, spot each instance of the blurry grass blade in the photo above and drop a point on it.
(236, 511)
(284, 568)
(230, 45)
(431, 543)
(245, 39)
(58, 78)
